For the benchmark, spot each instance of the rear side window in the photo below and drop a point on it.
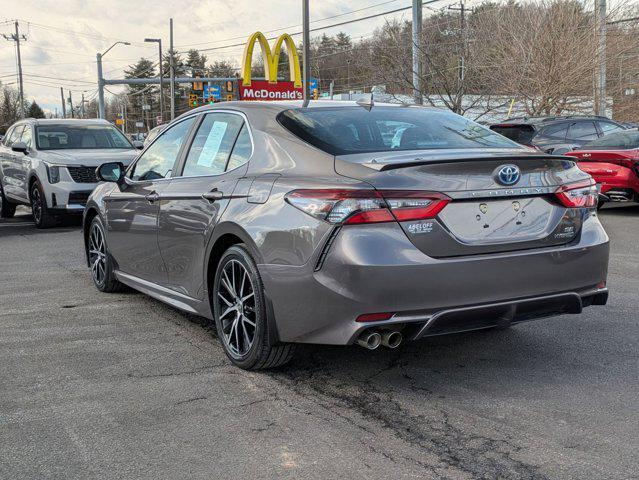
(607, 127)
(557, 131)
(582, 131)
(351, 130)
(517, 133)
(242, 150)
(212, 145)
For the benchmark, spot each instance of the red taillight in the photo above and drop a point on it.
(367, 206)
(374, 317)
(578, 195)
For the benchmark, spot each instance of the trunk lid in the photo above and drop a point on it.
(625, 158)
(484, 216)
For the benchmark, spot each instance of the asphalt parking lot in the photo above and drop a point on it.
(95, 385)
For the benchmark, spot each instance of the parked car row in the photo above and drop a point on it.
(556, 135)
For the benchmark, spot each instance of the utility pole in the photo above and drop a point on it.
(417, 60)
(600, 97)
(64, 104)
(15, 37)
(98, 60)
(71, 105)
(306, 55)
(172, 68)
(462, 60)
(82, 106)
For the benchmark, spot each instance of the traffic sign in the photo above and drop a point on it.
(211, 91)
(313, 85)
(139, 124)
(146, 107)
(119, 121)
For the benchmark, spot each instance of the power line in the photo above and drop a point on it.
(317, 29)
(297, 25)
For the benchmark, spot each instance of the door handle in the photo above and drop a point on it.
(152, 197)
(213, 195)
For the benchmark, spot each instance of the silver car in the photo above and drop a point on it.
(292, 225)
(50, 165)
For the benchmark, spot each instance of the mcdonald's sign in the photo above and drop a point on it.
(271, 89)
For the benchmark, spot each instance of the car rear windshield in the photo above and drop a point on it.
(64, 137)
(517, 133)
(614, 141)
(350, 130)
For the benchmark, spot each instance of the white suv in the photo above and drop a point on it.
(50, 165)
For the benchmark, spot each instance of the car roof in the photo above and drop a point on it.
(65, 121)
(551, 119)
(276, 105)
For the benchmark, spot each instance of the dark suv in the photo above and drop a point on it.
(556, 135)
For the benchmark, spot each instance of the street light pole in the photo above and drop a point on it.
(98, 59)
(306, 57)
(159, 42)
(172, 68)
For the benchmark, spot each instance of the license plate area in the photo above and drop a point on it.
(501, 221)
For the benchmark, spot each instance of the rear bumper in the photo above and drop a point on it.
(375, 268)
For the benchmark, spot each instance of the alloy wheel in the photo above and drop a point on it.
(36, 204)
(97, 254)
(236, 302)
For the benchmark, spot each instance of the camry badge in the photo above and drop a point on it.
(508, 174)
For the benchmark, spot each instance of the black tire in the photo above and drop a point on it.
(41, 216)
(100, 261)
(7, 209)
(234, 311)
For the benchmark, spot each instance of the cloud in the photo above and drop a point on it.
(63, 36)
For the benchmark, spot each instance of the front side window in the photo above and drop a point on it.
(14, 136)
(624, 140)
(158, 160)
(67, 136)
(27, 137)
(582, 131)
(351, 130)
(212, 145)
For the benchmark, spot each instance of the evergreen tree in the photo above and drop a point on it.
(35, 111)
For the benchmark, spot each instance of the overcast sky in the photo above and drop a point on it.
(63, 36)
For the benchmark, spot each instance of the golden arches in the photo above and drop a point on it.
(271, 58)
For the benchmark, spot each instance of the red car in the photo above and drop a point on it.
(613, 161)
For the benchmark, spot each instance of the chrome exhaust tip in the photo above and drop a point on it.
(370, 340)
(392, 338)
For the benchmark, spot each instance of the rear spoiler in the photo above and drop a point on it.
(382, 167)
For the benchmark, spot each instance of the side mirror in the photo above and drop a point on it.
(20, 147)
(138, 144)
(110, 172)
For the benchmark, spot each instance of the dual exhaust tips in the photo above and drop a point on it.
(371, 339)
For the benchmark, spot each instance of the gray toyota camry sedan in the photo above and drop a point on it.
(345, 224)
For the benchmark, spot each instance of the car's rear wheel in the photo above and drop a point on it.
(100, 261)
(239, 308)
(41, 217)
(7, 209)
